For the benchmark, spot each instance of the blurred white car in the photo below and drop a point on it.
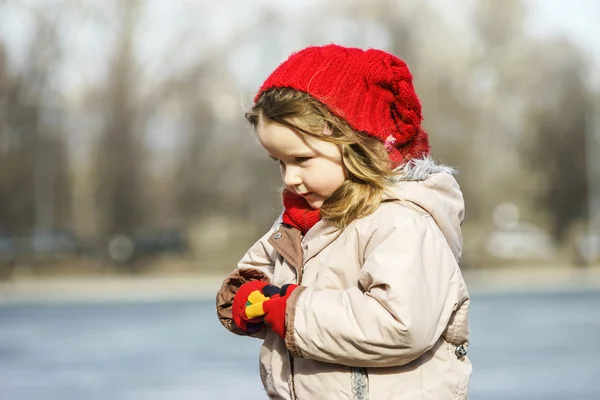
(587, 248)
(521, 242)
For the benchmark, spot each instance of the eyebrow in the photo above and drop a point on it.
(298, 155)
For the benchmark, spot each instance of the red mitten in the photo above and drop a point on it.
(274, 310)
(252, 289)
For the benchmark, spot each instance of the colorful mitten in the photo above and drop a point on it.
(274, 310)
(240, 301)
(247, 310)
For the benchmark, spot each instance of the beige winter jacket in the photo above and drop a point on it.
(382, 311)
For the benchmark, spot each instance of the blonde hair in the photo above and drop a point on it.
(365, 158)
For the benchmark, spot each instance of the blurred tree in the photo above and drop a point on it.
(19, 138)
(497, 87)
(216, 175)
(196, 194)
(555, 148)
(120, 148)
(499, 24)
(534, 100)
(34, 175)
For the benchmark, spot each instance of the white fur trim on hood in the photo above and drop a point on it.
(419, 169)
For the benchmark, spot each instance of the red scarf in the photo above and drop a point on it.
(298, 213)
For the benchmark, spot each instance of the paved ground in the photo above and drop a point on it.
(140, 288)
(539, 345)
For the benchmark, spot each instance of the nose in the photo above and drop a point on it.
(291, 176)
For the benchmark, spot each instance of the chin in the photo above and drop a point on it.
(316, 204)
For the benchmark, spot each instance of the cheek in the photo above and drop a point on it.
(334, 177)
(340, 178)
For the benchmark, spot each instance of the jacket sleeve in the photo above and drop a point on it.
(408, 288)
(257, 264)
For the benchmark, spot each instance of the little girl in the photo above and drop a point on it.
(356, 289)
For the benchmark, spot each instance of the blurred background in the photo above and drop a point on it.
(130, 179)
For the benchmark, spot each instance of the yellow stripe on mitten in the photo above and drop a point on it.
(256, 297)
(254, 306)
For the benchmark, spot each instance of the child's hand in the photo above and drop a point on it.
(274, 309)
(247, 310)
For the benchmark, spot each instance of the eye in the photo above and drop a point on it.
(278, 161)
(301, 160)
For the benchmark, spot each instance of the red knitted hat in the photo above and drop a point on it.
(371, 90)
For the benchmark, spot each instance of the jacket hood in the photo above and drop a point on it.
(433, 188)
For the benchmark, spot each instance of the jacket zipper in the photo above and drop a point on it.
(290, 357)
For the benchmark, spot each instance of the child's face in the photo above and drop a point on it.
(310, 168)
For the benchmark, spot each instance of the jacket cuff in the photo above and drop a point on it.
(290, 315)
(225, 295)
